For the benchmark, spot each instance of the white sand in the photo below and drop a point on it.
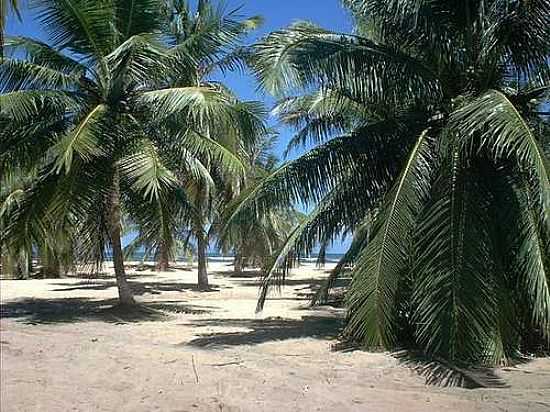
(61, 350)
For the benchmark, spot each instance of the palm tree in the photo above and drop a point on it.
(85, 109)
(213, 38)
(254, 241)
(432, 151)
(52, 245)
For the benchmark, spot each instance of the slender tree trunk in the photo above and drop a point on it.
(8, 271)
(52, 270)
(23, 265)
(202, 245)
(50, 265)
(30, 266)
(202, 237)
(163, 261)
(238, 263)
(124, 292)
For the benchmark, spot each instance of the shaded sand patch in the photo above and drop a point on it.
(64, 348)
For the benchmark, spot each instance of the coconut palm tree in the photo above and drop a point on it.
(213, 37)
(85, 109)
(431, 151)
(255, 241)
(52, 245)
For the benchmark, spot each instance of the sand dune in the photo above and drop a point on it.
(64, 349)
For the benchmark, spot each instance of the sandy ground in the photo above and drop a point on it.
(64, 349)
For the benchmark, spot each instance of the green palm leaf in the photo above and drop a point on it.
(494, 120)
(83, 140)
(376, 276)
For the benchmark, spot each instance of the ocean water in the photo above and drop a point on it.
(217, 257)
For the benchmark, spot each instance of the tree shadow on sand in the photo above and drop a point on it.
(265, 330)
(138, 288)
(69, 310)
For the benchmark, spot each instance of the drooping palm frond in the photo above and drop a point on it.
(146, 171)
(334, 60)
(82, 141)
(310, 177)
(453, 269)
(42, 54)
(378, 269)
(320, 115)
(433, 269)
(19, 74)
(496, 122)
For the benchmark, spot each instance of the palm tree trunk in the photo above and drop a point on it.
(202, 237)
(30, 266)
(23, 264)
(52, 269)
(7, 265)
(238, 263)
(163, 261)
(202, 245)
(124, 292)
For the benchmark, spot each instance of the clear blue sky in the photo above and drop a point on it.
(277, 14)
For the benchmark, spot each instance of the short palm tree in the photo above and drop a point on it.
(255, 240)
(52, 246)
(432, 150)
(85, 109)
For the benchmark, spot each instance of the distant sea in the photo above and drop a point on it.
(217, 257)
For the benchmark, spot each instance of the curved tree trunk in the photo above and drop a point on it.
(202, 245)
(124, 292)
(163, 260)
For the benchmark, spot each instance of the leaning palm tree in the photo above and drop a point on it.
(84, 109)
(430, 150)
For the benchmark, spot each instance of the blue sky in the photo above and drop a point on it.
(277, 14)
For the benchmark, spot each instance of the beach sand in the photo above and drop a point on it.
(64, 349)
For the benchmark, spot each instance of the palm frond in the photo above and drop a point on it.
(453, 300)
(340, 61)
(498, 125)
(146, 171)
(83, 141)
(42, 54)
(380, 266)
(16, 75)
(80, 26)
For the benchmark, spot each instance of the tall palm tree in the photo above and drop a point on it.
(213, 37)
(85, 109)
(432, 151)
